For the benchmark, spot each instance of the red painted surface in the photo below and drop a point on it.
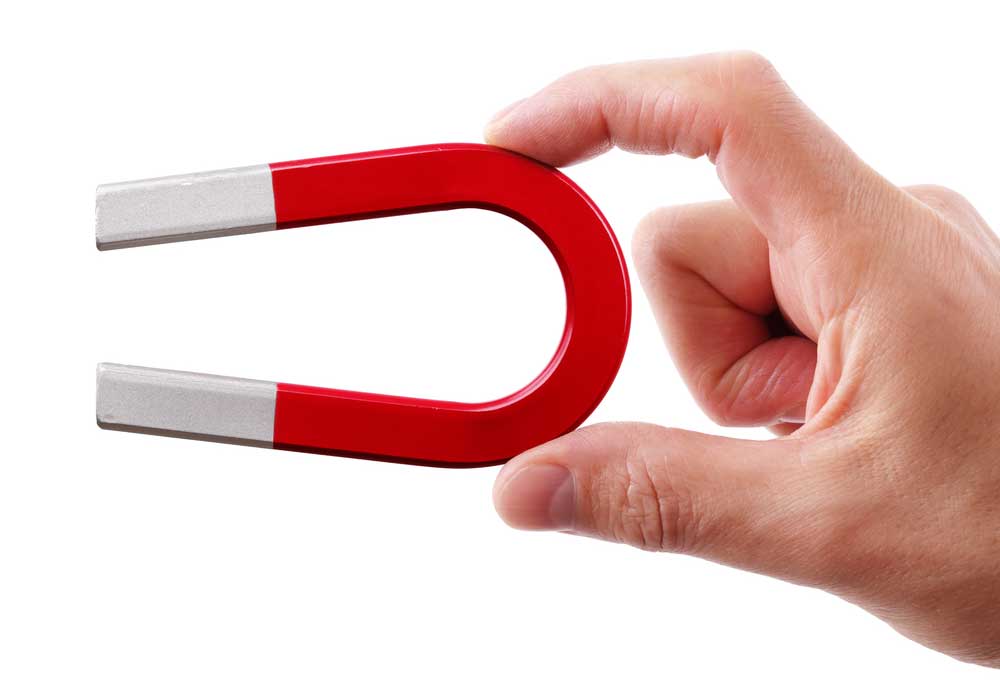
(446, 176)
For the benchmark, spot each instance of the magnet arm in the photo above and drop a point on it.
(186, 405)
(185, 207)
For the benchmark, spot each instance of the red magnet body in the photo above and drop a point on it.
(366, 185)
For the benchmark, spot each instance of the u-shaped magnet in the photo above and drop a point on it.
(354, 187)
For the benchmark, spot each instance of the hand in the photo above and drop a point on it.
(885, 485)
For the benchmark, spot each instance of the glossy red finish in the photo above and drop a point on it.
(447, 176)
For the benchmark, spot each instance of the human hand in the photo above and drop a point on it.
(885, 485)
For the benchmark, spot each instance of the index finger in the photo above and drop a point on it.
(780, 163)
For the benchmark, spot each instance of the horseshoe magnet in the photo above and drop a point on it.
(355, 187)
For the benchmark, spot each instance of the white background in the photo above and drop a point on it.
(127, 557)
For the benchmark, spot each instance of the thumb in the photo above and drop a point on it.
(758, 505)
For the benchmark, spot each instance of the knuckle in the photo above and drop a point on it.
(934, 190)
(587, 78)
(751, 87)
(747, 70)
(644, 503)
(939, 196)
(750, 63)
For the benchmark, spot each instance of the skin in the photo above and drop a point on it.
(858, 320)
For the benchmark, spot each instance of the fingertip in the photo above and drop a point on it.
(535, 496)
(493, 133)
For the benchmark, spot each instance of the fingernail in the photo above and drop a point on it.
(539, 497)
(498, 118)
